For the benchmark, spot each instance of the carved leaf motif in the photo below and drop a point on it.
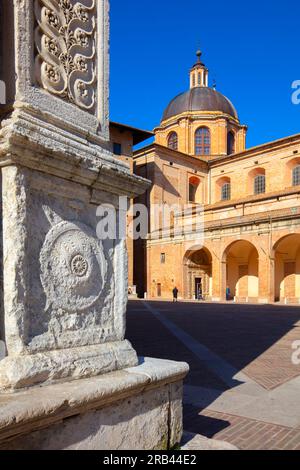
(66, 43)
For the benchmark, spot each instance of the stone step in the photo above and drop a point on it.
(191, 441)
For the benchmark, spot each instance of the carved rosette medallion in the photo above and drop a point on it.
(66, 42)
(73, 267)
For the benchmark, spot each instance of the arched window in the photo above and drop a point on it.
(296, 176)
(192, 192)
(260, 184)
(194, 185)
(199, 78)
(230, 143)
(202, 141)
(173, 141)
(223, 189)
(226, 192)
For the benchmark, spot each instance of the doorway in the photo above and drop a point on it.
(158, 290)
(198, 288)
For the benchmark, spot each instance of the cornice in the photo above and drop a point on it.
(257, 150)
(194, 116)
(27, 141)
(154, 147)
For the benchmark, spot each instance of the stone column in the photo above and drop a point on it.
(64, 283)
(266, 276)
(218, 276)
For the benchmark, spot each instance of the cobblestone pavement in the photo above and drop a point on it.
(243, 387)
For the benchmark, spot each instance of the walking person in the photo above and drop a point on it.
(200, 292)
(175, 294)
(228, 294)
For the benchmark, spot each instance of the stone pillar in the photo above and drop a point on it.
(65, 285)
(218, 279)
(64, 289)
(266, 277)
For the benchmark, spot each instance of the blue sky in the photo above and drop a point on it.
(251, 49)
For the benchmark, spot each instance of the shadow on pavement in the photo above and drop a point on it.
(245, 336)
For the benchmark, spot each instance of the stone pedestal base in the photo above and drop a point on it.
(134, 409)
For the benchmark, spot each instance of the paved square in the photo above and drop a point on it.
(243, 386)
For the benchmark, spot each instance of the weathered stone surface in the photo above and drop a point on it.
(158, 370)
(65, 289)
(196, 442)
(130, 409)
(176, 418)
(23, 371)
(66, 43)
(38, 144)
(69, 78)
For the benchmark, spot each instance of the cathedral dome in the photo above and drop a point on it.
(201, 122)
(199, 98)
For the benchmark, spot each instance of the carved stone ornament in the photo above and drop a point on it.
(66, 42)
(73, 267)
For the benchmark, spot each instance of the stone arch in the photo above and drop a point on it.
(241, 275)
(286, 253)
(197, 270)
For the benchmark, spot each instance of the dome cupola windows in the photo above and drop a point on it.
(202, 141)
(173, 141)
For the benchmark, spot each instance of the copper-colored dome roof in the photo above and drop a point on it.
(199, 99)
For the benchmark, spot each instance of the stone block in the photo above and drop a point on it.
(135, 409)
(64, 287)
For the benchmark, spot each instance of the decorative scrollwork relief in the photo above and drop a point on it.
(66, 42)
(73, 267)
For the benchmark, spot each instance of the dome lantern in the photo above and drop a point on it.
(198, 73)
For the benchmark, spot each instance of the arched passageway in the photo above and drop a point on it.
(287, 269)
(198, 274)
(241, 260)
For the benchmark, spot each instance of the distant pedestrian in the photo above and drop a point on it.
(175, 294)
(228, 293)
(200, 292)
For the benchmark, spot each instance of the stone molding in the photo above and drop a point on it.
(26, 140)
(72, 364)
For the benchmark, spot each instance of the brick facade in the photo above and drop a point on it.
(251, 240)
